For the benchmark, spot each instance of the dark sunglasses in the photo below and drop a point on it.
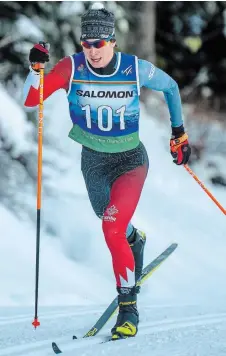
(96, 44)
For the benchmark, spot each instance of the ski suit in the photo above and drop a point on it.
(104, 109)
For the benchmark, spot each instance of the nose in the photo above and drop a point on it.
(93, 50)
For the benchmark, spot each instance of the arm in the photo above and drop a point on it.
(58, 78)
(156, 79)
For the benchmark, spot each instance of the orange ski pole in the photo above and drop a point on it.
(36, 322)
(205, 189)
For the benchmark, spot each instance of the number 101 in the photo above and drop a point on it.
(109, 110)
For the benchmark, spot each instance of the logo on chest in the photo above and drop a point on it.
(105, 94)
(128, 70)
(82, 70)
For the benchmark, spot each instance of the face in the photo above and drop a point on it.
(99, 57)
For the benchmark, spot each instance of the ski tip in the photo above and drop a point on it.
(74, 337)
(174, 245)
(56, 349)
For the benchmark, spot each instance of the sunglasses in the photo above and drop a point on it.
(96, 44)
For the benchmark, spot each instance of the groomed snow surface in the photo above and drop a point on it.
(182, 306)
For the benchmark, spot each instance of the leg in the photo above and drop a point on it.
(124, 197)
(98, 178)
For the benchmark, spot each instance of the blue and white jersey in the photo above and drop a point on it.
(105, 108)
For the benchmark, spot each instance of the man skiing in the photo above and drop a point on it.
(103, 90)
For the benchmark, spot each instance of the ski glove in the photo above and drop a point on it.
(39, 54)
(179, 146)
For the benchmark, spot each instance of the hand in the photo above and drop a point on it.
(39, 54)
(179, 146)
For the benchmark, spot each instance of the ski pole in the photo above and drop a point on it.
(204, 188)
(36, 322)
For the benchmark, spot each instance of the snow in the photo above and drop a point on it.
(13, 125)
(22, 25)
(172, 329)
(71, 8)
(182, 306)
(17, 269)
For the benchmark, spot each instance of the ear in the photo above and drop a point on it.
(113, 44)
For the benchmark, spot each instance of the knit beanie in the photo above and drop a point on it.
(97, 23)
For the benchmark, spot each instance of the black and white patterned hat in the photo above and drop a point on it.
(97, 23)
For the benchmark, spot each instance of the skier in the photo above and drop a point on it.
(103, 90)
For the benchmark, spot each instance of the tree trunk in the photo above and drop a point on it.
(141, 37)
(145, 33)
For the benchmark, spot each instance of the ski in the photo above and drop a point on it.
(113, 307)
(97, 340)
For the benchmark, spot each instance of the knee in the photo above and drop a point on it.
(113, 233)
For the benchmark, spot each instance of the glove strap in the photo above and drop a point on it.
(176, 142)
(42, 46)
(179, 140)
(35, 66)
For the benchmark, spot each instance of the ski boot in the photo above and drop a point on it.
(128, 316)
(137, 241)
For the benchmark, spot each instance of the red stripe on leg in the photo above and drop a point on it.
(124, 198)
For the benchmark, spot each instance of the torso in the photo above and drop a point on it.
(104, 108)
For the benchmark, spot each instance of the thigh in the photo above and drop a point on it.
(97, 182)
(124, 196)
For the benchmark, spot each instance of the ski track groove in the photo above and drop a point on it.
(28, 317)
(34, 348)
